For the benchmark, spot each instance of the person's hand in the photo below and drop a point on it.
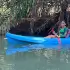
(54, 32)
(58, 36)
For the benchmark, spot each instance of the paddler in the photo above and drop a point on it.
(62, 32)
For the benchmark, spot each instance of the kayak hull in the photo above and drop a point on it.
(13, 38)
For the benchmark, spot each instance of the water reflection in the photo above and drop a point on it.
(30, 47)
(33, 57)
(4, 65)
(49, 52)
(41, 57)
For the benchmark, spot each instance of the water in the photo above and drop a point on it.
(14, 57)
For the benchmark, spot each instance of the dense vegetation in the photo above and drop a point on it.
(12, 11)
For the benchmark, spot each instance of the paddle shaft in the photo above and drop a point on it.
(53, 27)
(59, 41)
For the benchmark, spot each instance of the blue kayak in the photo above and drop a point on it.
(13, 38)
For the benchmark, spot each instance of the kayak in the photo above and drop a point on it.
(13, 38)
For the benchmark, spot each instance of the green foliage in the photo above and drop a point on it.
(4, 12)
(19, 8)
(14, 10)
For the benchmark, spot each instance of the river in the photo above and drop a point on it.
(12, 57)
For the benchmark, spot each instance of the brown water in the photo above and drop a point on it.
(46, 59)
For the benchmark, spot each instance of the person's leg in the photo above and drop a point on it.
(51, 36)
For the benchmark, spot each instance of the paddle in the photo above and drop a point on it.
(52, 29)
(59, 41)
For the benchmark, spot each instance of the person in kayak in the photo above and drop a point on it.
(62, 32)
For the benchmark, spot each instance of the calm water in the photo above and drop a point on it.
(14, 57)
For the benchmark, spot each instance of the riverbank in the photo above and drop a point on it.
(4, 28)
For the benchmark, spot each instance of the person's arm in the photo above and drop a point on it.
(55, 34)
(63, 35)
